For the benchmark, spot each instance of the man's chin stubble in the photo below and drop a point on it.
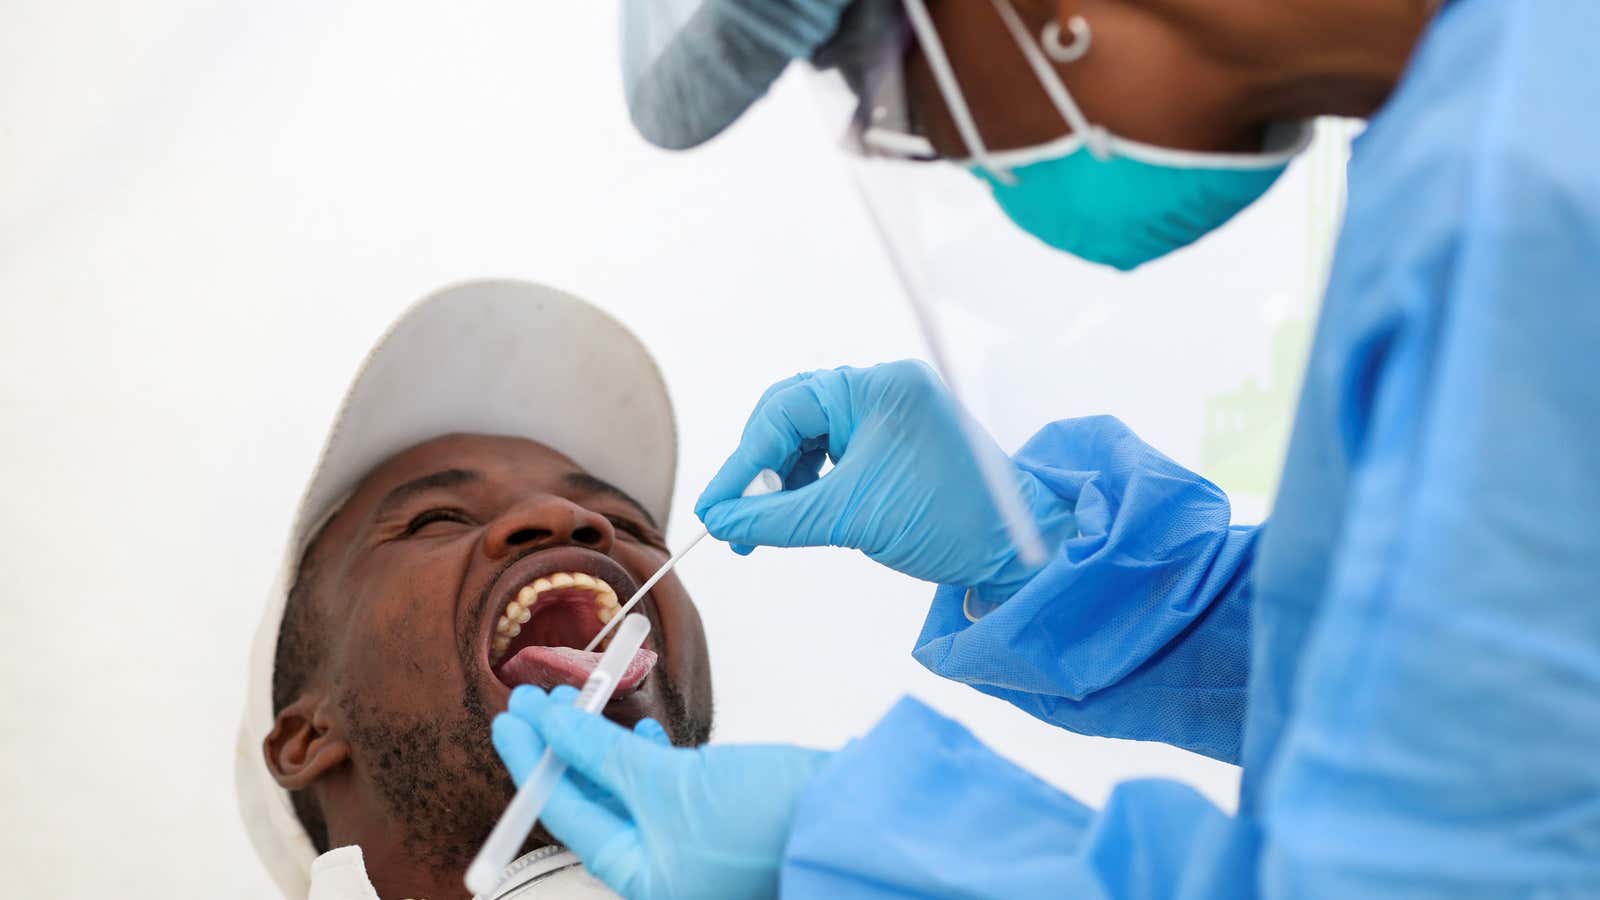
(442, 781)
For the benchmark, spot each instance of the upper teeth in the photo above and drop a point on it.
(519, 610)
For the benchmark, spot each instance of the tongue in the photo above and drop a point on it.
(550, 666)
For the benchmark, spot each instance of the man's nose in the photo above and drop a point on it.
(547, 521)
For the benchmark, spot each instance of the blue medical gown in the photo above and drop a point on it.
(1406, 659)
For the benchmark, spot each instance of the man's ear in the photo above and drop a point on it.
(304, 745)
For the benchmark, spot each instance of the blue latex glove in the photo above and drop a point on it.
(520, 748)
(904, 488)
(654, 821)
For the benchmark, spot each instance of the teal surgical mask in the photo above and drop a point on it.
(1132, 205)
(1097, 196)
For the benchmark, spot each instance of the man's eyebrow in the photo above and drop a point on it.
(583, 481)
(443, 478)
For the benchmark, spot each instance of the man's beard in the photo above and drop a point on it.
(442, 780)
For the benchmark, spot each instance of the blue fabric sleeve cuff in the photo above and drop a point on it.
(919, 806)
(1140, 626)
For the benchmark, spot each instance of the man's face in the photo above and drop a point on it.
(445, 547)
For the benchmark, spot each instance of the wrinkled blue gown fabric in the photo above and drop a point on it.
(1406, 659)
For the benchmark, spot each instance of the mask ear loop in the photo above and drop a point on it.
(944, 74)
(1096, 138)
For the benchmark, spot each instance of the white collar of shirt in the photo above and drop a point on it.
(549, 872)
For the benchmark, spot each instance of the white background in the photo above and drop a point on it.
(208, 211)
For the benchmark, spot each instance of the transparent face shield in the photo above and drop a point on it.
(887, 163)
(1200, 352)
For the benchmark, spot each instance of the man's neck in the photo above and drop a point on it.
(398, 868)
(396, 873)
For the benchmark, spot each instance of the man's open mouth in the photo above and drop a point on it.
(544, 620)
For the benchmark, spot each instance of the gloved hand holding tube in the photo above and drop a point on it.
(904, 489)
(655, 821)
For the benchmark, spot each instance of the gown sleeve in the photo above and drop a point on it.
(920, 808)
(1139, 627)
(1449, 701)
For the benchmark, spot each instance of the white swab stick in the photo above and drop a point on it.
(765, 482)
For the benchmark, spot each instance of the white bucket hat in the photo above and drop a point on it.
(486, 357)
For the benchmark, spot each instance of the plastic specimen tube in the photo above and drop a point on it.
(517, 822)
